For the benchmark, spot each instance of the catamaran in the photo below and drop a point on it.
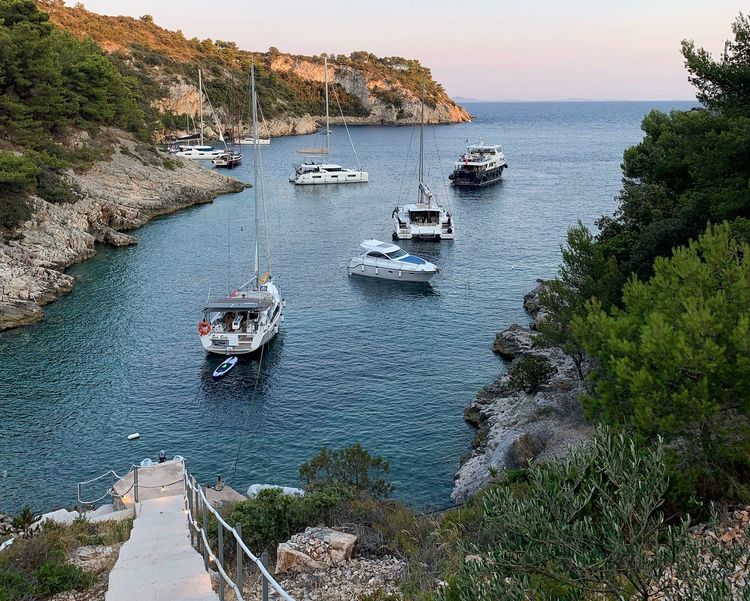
(426, 218)
(249, 317)
(313, 172)
(199, 151)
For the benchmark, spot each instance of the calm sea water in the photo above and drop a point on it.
(392, 367)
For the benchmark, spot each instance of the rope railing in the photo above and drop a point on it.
(196, 502)
(195, 497)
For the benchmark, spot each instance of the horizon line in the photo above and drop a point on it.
(463, 99)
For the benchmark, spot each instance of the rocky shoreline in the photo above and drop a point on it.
(515, 427)
(137, 184)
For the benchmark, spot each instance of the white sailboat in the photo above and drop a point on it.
(315, 172)
(250, 316)
(200, 151)
(426, 218)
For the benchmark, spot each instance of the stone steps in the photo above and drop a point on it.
(158, 563)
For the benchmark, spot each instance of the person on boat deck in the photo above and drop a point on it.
(162, 457)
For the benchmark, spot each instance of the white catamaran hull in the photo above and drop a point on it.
(200, 154)
(357, 267)
(340, 177)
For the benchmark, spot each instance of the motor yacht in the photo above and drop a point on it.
(390, 262)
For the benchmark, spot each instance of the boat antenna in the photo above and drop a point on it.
(256, 159)
(328, 127)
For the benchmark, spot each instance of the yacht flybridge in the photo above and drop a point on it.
(199, 151)
(313, 172)
(249, 317)
(481, 165)
(390, 262)
(425, 218)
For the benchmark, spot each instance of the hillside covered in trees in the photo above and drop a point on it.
(163, 66)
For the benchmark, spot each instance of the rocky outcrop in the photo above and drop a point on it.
(314, 549)
(515, 427)
(122, 193)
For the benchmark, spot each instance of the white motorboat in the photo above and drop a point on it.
(426, 218)
(249, 317)
(481, 165)
(200, 151)
(390, 262)
(313, 172)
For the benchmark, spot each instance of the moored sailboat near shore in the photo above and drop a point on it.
(250, 316)
(316, 172)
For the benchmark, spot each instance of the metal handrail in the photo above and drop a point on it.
(191, 484)
(195, 500)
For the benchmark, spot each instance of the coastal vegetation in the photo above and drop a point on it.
(656, 300)
(37, 565)
(56, 93)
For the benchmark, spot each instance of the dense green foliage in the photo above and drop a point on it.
(668, 336)
(529, 373)
(272, 517)
(51, 86)
(352, 468)
(723, 85)
(675, 360)
(590, 526)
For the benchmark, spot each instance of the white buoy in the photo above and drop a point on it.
(134, 436)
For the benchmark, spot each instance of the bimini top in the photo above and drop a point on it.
(383, 247)
(248, 300)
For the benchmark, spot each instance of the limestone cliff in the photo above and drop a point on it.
(369, 89)
(123, 193)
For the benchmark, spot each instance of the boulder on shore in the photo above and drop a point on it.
(314, 549)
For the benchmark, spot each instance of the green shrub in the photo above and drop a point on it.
(56, 188)
(56, 576)
(272, 517)
(529, 373)
(352, 468)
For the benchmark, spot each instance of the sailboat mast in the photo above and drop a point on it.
(421, 149)
(256, 160)
(328, 128)
(200, 96)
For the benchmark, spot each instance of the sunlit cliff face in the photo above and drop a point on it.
(544, 50)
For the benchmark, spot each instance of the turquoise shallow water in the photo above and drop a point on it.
(392, 367)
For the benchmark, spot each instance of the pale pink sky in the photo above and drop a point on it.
(543, 50)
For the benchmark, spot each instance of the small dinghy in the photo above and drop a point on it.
(225, 367)
(390, 262)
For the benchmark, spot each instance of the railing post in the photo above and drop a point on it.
(264, 561)
(79, 493)
(191, 514)
(205, 531)
(220, 559)
(135, 483)
(240, 552)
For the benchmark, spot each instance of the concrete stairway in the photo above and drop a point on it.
(158, 563)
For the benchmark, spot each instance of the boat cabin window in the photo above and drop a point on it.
(376, 254)
(396, 254)
(424, 217)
